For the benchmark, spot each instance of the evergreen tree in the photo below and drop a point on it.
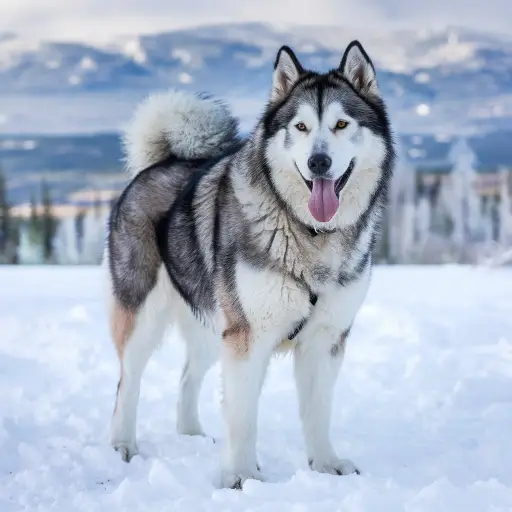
(29, 236)
(9, 226)
(16, 243)
(4, 219)
(33, 223)
(79, 229)
(48, 222)
(97, 204)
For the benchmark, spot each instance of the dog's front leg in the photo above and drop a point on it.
(317, 363)
(245, 359)
(266, 308)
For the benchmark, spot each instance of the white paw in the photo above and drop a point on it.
(236, 479)
(190, 431)
(188, 426)
(334, 467)
(126, 450)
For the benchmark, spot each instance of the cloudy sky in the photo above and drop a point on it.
(103, 19)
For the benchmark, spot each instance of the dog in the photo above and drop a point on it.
(250, 246)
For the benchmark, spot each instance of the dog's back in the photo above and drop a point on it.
(171, 136)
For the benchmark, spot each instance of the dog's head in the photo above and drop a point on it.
(328, 142)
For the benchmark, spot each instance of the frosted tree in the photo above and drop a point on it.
(402, 197)
(461, 197)
(4, 219)
(487, 220)
(93, 240)
(66, 242)
(423, 216)
(30, 250)
(505, 213)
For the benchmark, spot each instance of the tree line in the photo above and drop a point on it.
(42, 238)
(40, 226)
(449, 221)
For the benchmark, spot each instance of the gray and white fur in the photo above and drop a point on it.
(250, 247)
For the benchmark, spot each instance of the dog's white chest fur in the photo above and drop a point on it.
(314, 260)
(271, 301)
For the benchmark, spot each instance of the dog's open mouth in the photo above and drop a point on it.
(339, 183)
(325, 194)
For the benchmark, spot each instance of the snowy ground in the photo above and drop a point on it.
(423, 406)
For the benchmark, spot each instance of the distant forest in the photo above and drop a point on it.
(42, 238)
(451, 222)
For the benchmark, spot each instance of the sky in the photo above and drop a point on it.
(103, 20)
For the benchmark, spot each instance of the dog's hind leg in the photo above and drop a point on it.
(136, 335)
(202, 351)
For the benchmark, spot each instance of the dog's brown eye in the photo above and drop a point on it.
(301, 127)
(341, 125)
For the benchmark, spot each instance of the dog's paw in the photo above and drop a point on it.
(334, 467)
(127, 451)
(189, 428)
(196, 433)
(192, 432)
(236, 479)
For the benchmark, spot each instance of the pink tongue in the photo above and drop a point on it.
(323, 203)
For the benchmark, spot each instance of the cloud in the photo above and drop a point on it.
(102, 20)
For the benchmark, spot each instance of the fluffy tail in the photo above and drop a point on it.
(183, 124)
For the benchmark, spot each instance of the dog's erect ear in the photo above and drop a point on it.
(287, 70)
(358, 69)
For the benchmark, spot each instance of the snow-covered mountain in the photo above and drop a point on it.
(443, 80)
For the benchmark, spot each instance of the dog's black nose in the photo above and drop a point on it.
(319, 164)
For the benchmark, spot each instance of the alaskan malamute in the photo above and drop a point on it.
(250, 246)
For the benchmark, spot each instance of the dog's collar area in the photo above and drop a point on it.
(314, 232)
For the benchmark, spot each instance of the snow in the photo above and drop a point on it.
(423, 109)
(422, 78)
(423, 405)
(185, 78)
(182, 55)
(74, 79)
(88, 64)
(13, 48)
(53, 64)
(134, 49)
(26, 145)
(29, 145)
(453, 51)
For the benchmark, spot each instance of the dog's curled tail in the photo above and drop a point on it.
(178, 123)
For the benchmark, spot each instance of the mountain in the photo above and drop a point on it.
(75, 167)
(444, 81)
